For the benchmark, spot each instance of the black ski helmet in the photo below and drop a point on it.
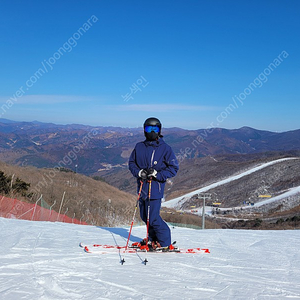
(152, 136)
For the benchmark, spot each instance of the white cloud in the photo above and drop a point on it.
(163, 107)
(48, 99)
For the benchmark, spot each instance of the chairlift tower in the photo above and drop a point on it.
(204, 196)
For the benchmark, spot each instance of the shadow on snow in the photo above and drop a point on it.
(123, 232)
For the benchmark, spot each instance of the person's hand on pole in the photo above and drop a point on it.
(143, 174)
(152, 173)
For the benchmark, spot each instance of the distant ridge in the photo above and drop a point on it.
(94, 148)
(6, 121)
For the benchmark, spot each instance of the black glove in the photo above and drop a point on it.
(143, 174)
(151, 173)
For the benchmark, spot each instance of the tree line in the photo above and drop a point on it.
(7, 185)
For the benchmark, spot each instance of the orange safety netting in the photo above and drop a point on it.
(15, 209)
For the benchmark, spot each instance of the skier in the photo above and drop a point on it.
(152, 162)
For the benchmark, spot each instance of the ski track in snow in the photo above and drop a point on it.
(43, 260)
(177, 202)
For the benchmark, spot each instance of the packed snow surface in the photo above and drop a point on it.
(41, 260)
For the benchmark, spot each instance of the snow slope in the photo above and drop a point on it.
(291, 192)
(282, 197)
(177, 202)
(41, 260)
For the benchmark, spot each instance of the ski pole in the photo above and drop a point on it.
(148, 219)
(148, 212)
(135, 209)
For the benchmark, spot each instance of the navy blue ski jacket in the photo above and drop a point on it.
(159, 156)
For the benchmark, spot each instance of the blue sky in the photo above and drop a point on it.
(193, 64)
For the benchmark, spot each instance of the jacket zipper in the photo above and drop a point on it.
(152, 157)
(151, 163)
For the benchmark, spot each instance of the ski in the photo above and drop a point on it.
(106, 249)
(103, 249)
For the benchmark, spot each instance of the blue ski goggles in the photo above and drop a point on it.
(149, 129)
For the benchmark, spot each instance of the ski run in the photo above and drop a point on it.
(177, 202)
(43, 260)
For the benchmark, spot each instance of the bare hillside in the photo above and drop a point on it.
(270, 181)
(266, 196)
(95, 202)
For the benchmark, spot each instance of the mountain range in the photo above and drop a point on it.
(96, 150)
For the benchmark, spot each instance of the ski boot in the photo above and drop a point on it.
(139, 244)
(170, 248)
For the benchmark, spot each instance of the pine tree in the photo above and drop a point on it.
(20, 186)
(6, 186)
(4, 183)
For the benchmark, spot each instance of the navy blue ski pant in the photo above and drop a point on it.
(158, 228)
